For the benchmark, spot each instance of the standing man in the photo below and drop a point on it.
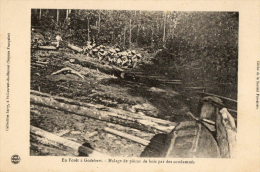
(58, 39)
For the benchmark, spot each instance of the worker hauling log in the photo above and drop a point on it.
(212, 135)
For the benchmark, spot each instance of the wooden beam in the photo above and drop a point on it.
(127, 136)
(137, 122)
(75, 48)
(105, 108)
(48, 138)
(46, 48)
(221, 97)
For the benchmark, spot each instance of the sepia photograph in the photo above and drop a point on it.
(133, 83)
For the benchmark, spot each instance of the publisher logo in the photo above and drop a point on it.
(15, 159)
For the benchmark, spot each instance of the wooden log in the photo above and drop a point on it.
(89, 135)
(221, 97)
(69, 70)
(92, 64)
(120, 73)
(53, 140)
(134, 122)
(39, 65)
(40, 62)
(105, 108)
(127, 136)
(194, 88)
(75, 48)
(47, 48)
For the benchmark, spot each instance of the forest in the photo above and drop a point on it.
(204, 42)
(112, 80)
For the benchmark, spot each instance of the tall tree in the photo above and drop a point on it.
(58, 14)
(164, 28)
(130, 32)
(40, 14)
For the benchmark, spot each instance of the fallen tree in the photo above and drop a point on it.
(136, 121)
(127, 136)
(46, 47)
(75, 48)
(105, 108)
(120, 73)
(50, 139)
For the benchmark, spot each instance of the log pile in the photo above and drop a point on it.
(109, 54)
(99, 112)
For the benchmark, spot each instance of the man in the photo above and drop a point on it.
(58, 39)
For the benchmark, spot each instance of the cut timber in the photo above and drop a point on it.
(120, 73)
(221, 97)
(132, 121)
(47, 48)
(127, 136)
(89, 135)
(47, 138)
(195, 88)
(159, 121)
(69, 70)
(39, 65)
(40, 62)
(75, 48)
(89, 62)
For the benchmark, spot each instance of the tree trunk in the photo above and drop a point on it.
(88, 30)
(75, 48)
(47, 138)
(99, 20)
(164, 28)
(47, 47)
(67, 14)
(127, 136)
(40, 14)
(152, 45)
(124, 36)
(130, 32)
(137, 122)
(58, 14)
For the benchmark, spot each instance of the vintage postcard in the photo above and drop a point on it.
(130, 85)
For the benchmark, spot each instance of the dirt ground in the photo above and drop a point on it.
(165, 101)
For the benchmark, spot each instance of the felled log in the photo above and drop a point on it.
(149, 119)
(120, 73)
(127, 136)
(40, 62)
(47, 47)
(195, 88)
(122, 119)
(90, 63)
(47, 138)
(75, 48)
(37, 64)
(221, 97)
(89, 135)
(69, 70)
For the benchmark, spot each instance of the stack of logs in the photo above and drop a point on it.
(225, 123)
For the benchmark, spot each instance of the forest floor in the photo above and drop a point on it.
(168, 101)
